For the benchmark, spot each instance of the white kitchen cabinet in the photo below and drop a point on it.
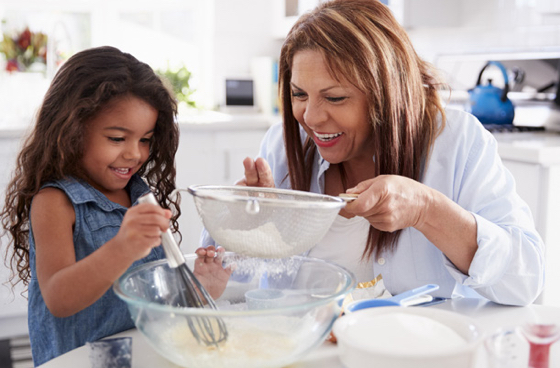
(211, 156)
(426, 13)
(548, 6)
(539, 186)
(534, 161)
(409, 13)
(287, 12)
(12, 304)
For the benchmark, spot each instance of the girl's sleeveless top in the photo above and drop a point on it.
(97, 221)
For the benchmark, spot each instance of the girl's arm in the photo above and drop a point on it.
(68, 286)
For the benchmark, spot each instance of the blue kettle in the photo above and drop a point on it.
(490, 104)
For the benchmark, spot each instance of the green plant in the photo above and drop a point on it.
(179, 80)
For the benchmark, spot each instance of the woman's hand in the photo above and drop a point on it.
(209, 271)
(257, 173)
(392, 202)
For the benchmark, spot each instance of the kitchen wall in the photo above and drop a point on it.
(486, 26)
(244, 29)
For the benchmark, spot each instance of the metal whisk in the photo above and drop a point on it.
(209, 331)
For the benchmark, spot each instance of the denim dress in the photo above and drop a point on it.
(97, 221)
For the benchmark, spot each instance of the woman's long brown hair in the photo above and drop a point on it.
(81, 88)
(361, 41)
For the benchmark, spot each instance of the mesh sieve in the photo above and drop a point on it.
(265, 222)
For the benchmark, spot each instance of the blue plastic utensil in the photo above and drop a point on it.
(397, 300)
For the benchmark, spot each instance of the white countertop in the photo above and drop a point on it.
(214, 120)
(531, 147)
(192, 121)
(488, 315)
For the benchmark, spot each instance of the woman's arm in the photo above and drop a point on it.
(391, 202)
(507, 266)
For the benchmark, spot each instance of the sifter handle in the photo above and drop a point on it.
(172, 252)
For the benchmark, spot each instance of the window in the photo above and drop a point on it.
(162, 33)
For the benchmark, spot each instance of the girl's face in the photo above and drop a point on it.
(334, 114)
(117, 143)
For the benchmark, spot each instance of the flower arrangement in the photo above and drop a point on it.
(23, 49)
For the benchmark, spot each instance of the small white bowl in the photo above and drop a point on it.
(366, 340)
(264, 298)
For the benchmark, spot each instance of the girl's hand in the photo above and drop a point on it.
(209, 271)
(391, 202)
(257, 173)
(141, 229)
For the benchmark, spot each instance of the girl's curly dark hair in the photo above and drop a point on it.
(54, 149)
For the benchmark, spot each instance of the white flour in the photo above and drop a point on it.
(264, 241)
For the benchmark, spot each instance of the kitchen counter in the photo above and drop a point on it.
(536, 147)
(214, 120)
(192, 121)
(531, 147)
(488, 315)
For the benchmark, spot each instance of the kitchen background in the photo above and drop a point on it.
(239, 40)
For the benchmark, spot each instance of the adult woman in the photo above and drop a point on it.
(361, 113)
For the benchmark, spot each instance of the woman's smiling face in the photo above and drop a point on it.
(333, 113)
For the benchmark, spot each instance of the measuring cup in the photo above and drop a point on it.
(396, 300)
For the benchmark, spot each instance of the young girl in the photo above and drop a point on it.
(105, 135)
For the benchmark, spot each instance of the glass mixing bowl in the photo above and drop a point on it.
(290, 307)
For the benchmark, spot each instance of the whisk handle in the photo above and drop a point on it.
(172, 252)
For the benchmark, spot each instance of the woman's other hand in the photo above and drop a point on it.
(209, 271)
(257, 173)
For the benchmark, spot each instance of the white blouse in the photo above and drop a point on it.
(344, 244)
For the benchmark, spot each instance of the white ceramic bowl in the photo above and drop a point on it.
(435, 338)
